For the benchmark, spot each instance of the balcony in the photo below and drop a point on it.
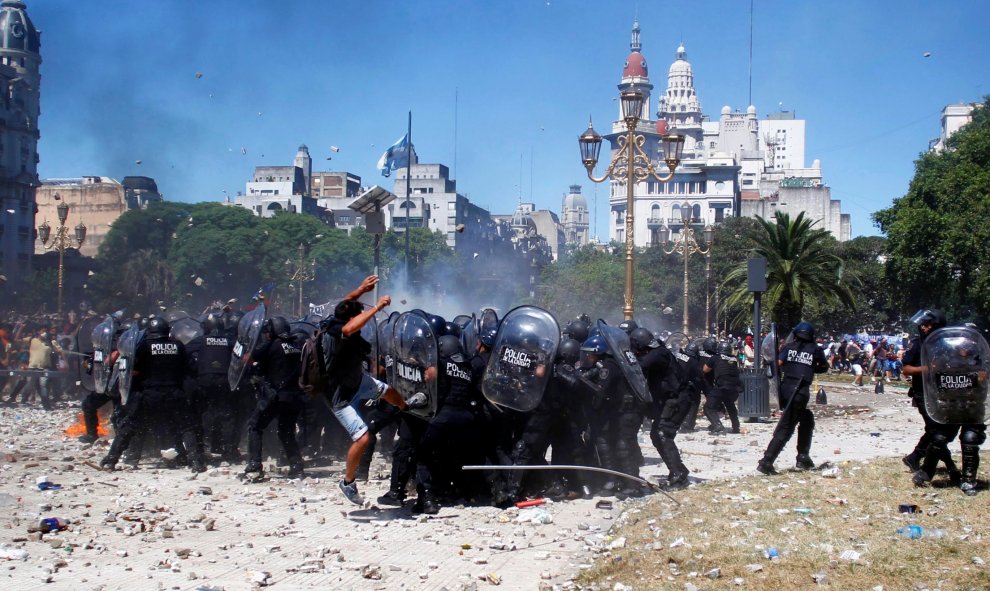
(654, 223)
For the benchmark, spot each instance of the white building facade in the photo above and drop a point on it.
(738, 165)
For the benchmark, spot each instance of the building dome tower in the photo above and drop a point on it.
(20, 80)
(635, 74)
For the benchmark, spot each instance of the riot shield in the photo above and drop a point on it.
(522, 358)
(185, 329)
(469, 334)
(415, 348)
(370, 333)
(248, 332)
(303, 326)
(957, 361)
(127, 345)
(618, 345)
(677, 342)
(385, 364)
(488, 320)
(82, 342)
(103, 345)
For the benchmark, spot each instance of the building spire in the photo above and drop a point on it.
(635, 45)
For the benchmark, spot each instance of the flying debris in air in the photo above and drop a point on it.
(199, 75)
(329, 158)
(57, 198)
(11, 211)
(334, 149)
(927, 54)
(137, 162)
(259, 113)
(243, 151)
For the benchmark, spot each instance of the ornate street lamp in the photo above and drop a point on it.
(60, 242)
(632, 165)
(686, 246)
(303, 273)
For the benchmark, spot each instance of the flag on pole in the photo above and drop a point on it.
(395, 157)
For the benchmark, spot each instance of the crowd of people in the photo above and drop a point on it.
(177, 396)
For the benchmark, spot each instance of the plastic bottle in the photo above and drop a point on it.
(912, 532)
(50, 524)
(935, 533)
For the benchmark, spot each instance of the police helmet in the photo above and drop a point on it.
(577, 330)
(158, 327)
(628, 326)
(419, 312)
(487, 336)
(210, 324)
(584, 318)
(804, 331)
(933, 317)
(691, 350)
(710, 345)
(596, 345)
(568, 351)
(725, 349)
(450, 346)
(233, 319)
(279, 326)
(437, 324)
(143, 323)
(452, 328)
(642, 339)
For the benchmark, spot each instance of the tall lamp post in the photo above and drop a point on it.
(303, 273)
(60, 242)
(632, 165)
(687, 246)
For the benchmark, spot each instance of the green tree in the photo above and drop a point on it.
(938, 234)
(802, 267)
(875, 309)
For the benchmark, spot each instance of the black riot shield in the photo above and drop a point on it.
(185, 329)
(522, 358)
(488, 320)
(415, 348)
(618, 345)
(103, 336)
(127, 345)
(303, 326)
(957, 360)
(248, 332)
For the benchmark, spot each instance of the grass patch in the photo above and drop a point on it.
(835, 533)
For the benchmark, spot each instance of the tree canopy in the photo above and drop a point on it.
(938, 233)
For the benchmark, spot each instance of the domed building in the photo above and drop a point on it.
(736, 165)
(574, 217)
(20, 79)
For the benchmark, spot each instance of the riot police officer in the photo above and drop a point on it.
(156, 400)
(799, 360)
(671, 394)
(555, 423)
(448, 442)
(724, 369)
(691, 368)
(214, 404)
(927, 321)
(607, 396)
(279, 359)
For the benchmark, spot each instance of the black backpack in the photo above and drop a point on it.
(317, 358)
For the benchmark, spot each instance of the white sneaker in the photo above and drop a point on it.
(417, 400)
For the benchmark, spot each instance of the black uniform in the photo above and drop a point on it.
(213, 403)
(448, 442)
(280, 397)
(156, 401)
(724, 393)
(672, 395)
(607, 396)
(691, 370)
(801, 360)
(924, 449)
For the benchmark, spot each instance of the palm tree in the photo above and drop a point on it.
(801, 265)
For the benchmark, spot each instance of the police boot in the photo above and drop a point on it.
(733, 413)
(393, 498)
(970, 466)
(715, 422)
(913, 459)
(108, 463)
(296, 467)
(677, 480)
(426, 504)
(255, 468)
(765, 465)
(804, 462)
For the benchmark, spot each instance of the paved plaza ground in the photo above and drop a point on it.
(168, 529)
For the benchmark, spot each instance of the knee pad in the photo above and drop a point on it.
(940, 440)
(971, 436)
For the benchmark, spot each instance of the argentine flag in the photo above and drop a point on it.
(395, 157)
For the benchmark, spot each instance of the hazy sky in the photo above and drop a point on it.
(119, 84)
